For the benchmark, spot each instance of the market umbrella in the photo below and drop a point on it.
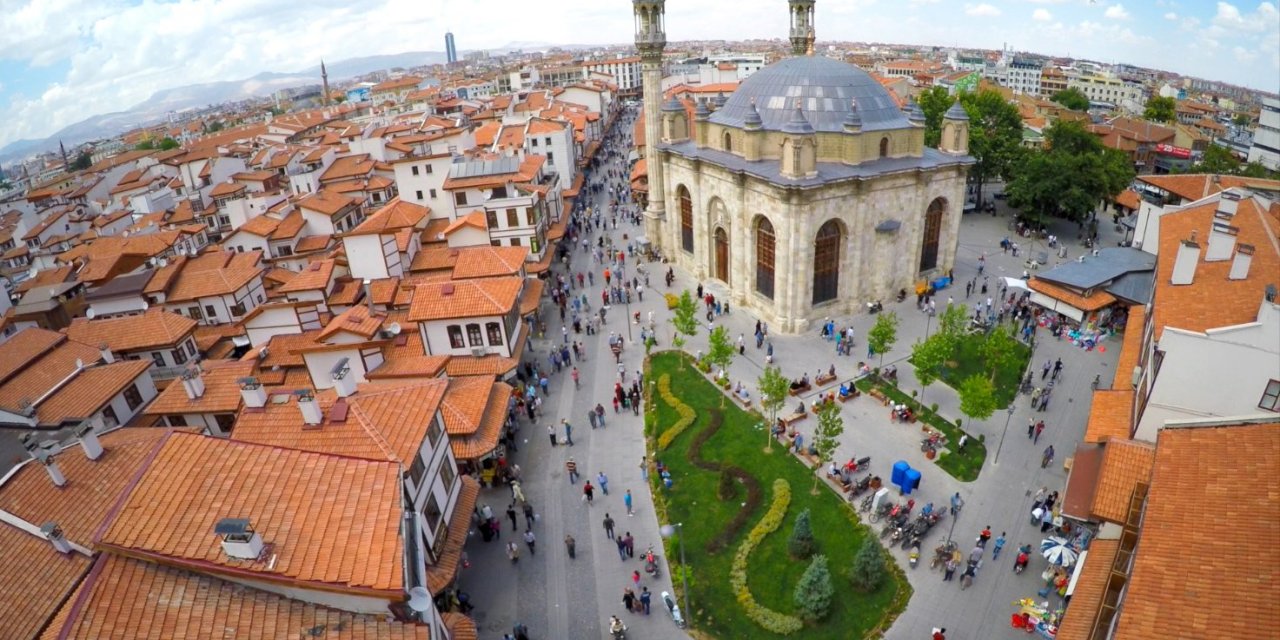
(1058, 551)
(1016, 283)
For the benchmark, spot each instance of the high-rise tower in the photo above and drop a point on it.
(801, 27)
(450, 49)
(651, 40)
(324, 84)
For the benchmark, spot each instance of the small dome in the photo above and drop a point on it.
(914, 113)
(752, 119)
(956, 112)
(701, 112)
(672, 105)
(797, 124)
(719, 100)
(853, 120)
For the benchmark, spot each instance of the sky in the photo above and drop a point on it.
(64, 60)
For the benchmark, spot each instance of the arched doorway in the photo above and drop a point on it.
(686, 218)
(722, 255)
(932, 233)
(765, 248)
(826, 262)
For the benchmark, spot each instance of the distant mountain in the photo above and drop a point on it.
(155, 108)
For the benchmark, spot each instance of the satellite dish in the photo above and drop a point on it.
(145, 305)
(90, 313)
(419, 599)
(394, 328)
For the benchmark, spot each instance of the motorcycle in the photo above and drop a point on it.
(673, 609)
(941, 553)
(651, 565)
(1024, 556)
(902, 295)
(875, 307)
(860, 487)
(932, 443)
(914, 556)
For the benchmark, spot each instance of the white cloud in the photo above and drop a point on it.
(1244, 55)
(1264, 18)
(1116, 12)
(983, 9)
(1041, 15)
(1171, 16)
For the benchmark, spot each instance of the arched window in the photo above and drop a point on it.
(764, 257)
(884, 147)
(932, 231)
(686, 219)
(826, 262)
(728, 141)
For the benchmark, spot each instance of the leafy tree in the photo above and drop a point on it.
(928, 356)
(995, 136)
(977, 397)
(934, 102)
(952, 323)
(1216, 160)
(826, 435)
(868, 570)
(1000, 351)
(1071, 176)
(215, 127)
(685, 319)
(801, 544)
(168, 144)
(1256, 169)
(145, 145)
(883, 334)
(814, 591)
(82, 162)
(1241, 120)
(773, 394)
(1161, 109)
(1072, 98)
(720, 351)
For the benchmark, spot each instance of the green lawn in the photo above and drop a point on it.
(968, 361)
(772, 574)
(965, 465)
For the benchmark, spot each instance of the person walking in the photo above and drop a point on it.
(602, 481)
(588, 492)
(591, 418)
(608, 526)
(571, 546)
(531, 541)
(644, 599)
(995, 549)
(1039, 430)
(551, 433)
(1047, 458)
(622, 548)
(626, 499)
(1044, 371)
(630, 544)
(957, 503)
(635, 578)
(568, 431)
(529, 517)
(949, 569)
(571, 467)
(513, 552)
(644, 469)
(984, 536)
(511, 515)
(1031, 425)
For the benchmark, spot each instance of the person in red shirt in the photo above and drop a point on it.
(984, 536)
(939, 634)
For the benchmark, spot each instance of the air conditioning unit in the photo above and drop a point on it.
(479, 352)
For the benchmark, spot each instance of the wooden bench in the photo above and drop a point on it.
(824, 379)
(794, 418)
(812, 459)
(855, 393)
(795, 391)
(745, 402)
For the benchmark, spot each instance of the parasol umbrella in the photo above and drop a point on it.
(1015, 283)
(1058, 552)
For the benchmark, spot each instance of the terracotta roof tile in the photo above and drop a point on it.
(82, 505)
(491, 365)
(128, 599)
(89, 391)
(43, 372)
(215, 273)
(460, 626)
(531, 297)
(384, 422)
(307, 244)
(1207, 577)
(475, 219)
(281, 349)
(315, 276)
(155, 328)
(1077, 624)
(221, 391)
(1098, 300)
(1196, 186)
(1109, 415)
(327, 202)
(395, 215)
(25, 347)
(1125, 463)
(34, 581)
(483, 262)
(474, 410)
(1212, 300)
(207, 336)
(1131, 349)
(465, 298)
(195, 481)
(1129, 199)
(434, 231)
(443, 572)
(356, 320)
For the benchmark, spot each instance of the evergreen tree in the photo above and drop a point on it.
(814, 590)
(802, 545)
(868, 570)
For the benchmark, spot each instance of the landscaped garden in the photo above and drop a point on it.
(738, 504)
(969, 360)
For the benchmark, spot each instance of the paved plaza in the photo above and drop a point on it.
(558, 597)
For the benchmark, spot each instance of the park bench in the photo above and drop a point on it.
(745, 402)
(824, 379)
(853, 394)
(794, 418)
(795, 391)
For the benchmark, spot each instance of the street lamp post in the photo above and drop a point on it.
(629, 320)
(667, 531)
(996, 461)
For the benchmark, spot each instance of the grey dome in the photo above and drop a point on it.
(825, 89)
(956, 112)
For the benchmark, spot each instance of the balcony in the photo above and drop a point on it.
(167, 373)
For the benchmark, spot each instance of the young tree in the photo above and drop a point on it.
(685, 319)
(977, 397)
(814, 591)
(167, 144)
(934, 102)
(1071, 176)
(883, 334)
(1000, 351)
(773, 394)
(826, 437)
(952, 323)
(1161, 109)
(995, 135)
(720, 351)
(801, 545)
(927, 357)
(82, 162)
(868, 571)
(1072, 98)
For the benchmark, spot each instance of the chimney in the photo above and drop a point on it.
(107, 357)
(1227, 203)
(312, 416)
(368, 294)
(343, 382)
(193, 383)
(251, 391)
(239, 540)
(89, 441)
(53, 533)
(1240, 264)
(1184, 265)
(1222, 239)
(43, 451)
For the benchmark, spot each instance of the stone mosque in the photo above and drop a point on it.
(806, 193)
